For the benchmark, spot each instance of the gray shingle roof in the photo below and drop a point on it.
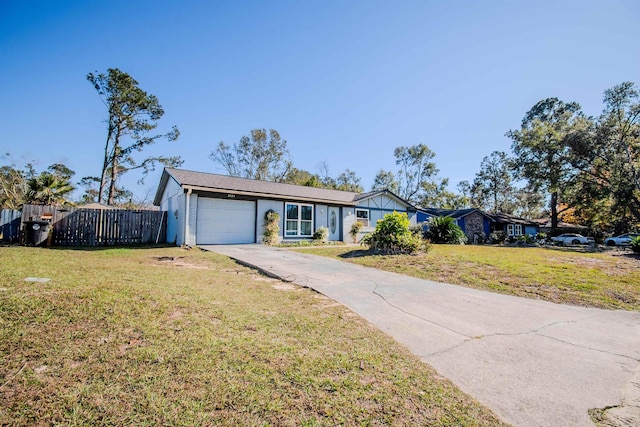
(510, 219)
(224, 183)
(453, 213)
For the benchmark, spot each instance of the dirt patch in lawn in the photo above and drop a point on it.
(178, 261)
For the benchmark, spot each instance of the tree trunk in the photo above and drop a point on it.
(114, 168)
(112, 183)
(105, 167)
(554, 210)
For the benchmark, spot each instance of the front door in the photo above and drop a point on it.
(333, 221)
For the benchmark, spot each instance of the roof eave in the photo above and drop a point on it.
(392, 194)
(157, 200)
(268, 195)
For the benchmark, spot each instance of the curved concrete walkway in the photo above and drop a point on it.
(534, 363)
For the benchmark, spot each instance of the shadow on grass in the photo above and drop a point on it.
(358, 253)
(629, 255)
(110, 247)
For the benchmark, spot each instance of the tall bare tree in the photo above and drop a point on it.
(132, 115)
(261, 155)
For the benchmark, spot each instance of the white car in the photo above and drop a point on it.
(572, 239)
(621, 240)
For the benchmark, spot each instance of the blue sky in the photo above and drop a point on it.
(342, 81)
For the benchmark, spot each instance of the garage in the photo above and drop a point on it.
(223, 221)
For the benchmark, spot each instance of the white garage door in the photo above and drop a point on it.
(222, 221)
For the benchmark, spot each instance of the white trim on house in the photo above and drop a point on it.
(302, 225)
(514, 229)
(362, 216)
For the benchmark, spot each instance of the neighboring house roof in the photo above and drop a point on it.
(495, 217)
(97, 206)
(546, 223)
(202, 181)
(510, 219)
(453, 213)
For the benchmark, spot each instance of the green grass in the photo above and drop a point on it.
(167, 336)
(606, 280)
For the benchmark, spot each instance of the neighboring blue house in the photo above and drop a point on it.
(513, 225)
(477, 224)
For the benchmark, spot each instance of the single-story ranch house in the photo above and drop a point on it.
(477, 224)
(473, 222)
(205, 208)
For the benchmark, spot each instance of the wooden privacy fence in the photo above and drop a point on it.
(96, 227)
(9, 225)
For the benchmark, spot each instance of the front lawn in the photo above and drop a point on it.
(606, 280)
(167, 336)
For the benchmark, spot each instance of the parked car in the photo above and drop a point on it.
(572, 239)
(621, 240)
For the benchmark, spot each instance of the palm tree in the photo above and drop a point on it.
(443, 229)
(49, 189)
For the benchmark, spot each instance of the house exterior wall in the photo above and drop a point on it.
(261, 209)
(379, 206)
(182, 213)
(320, 216)
(191, 228)
(473, 225)
(384, 202)
(531, 230)
(173, 199)
(348, 218)
(422, 217)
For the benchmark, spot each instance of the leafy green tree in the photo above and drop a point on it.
(529, 203)
(297, 176)
(436, 194)
(348, 181)
(608, 158)
(261, 155)
(393, 236)
(385, 180)
(416, 168)
(443, 229)
(13, 186)
(493, 187)
(132, 115)
(541, 150)
(635, 245)
(24, 186)
(325, 177)
(50, 187)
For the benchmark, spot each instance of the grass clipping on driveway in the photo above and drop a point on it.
(173, 337)
(606, 280)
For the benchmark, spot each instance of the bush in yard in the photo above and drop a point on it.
(355, 229)
(392, 236)
(525, 239)
(635, 245)
(445, 230)
(321, 235)
(271, 227)
(416, 229)
(498, 236)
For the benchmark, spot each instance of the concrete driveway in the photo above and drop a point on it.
(534, 363)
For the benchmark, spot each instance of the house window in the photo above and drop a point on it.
(362, 215)
(299, 220)
(514, 229)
